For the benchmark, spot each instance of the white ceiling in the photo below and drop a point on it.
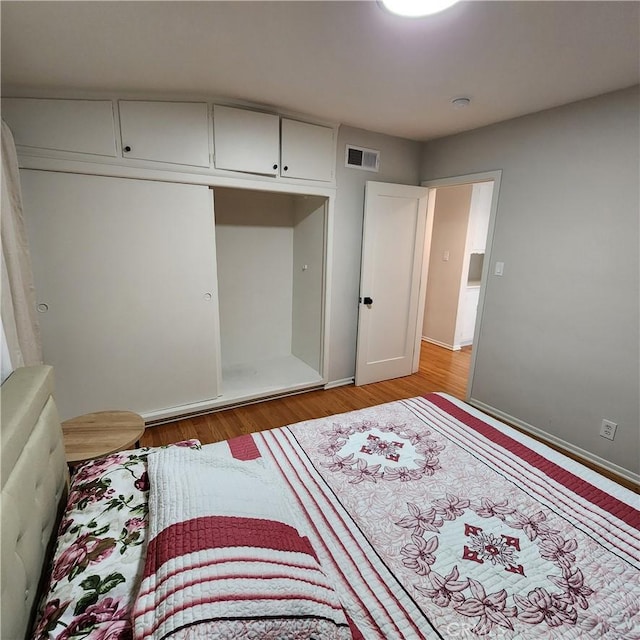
(345, 62)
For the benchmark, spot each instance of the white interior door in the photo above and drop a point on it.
(392, 254)
(125, 278)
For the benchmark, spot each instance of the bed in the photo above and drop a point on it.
(422, 518)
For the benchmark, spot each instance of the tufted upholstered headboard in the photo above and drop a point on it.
(34, 480)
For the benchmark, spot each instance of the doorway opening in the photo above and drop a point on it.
(461, 217)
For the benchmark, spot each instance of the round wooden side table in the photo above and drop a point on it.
(94, 435)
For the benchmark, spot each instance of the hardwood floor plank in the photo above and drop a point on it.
(440, 370)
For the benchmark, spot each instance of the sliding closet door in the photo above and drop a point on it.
(125, 276)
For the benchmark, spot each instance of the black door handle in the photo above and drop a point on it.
(368, 300)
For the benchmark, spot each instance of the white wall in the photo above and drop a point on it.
(479, 214)
(559, 343)
(399, 163)
(308, 280)
(254, 245)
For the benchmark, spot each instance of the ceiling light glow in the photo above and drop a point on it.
(417, 8)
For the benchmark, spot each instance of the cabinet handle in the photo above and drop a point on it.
(368, 301)
(285, 168)
(275, 166)
(127, 148)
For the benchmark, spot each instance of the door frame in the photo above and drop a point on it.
(470, 178)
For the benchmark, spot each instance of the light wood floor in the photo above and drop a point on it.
(440, 370)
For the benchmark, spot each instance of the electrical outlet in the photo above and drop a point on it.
(608, 429)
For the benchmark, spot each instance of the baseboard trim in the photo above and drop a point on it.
(559, 442)
(197, 409)
(339, 383)
(441, 344)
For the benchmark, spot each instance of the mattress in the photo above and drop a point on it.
(430, 519)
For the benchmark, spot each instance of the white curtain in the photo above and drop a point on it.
(21, 343)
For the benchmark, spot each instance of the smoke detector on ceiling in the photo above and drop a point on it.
(461, 103)
(361, 158)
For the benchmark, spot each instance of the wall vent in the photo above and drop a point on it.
(360, 158)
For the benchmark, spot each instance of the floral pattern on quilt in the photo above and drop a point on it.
(492, 533)
(99, 552)
(480, 555)
(369, 451)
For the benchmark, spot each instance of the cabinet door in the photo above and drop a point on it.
(126, 272)
(246, 140)
(176, 132)
(82, 126)
(308, 151)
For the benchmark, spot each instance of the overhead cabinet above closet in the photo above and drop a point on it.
(246, 140)
(252, 141)
(176, 132)
(80, 126)
(307, 150)
(159, 134)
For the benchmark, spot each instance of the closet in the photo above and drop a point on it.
(270, 250)
(149, 301)
(179, 250)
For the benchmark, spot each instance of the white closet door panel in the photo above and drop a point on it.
(307, 151)
(82, 126)
(176, 132)
(127, 271)
(246, 140)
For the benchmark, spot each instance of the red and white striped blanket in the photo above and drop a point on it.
(431, 520)
(438, 522)
(225, 559)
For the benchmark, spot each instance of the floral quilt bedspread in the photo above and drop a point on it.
(439, 522)
(100, 550)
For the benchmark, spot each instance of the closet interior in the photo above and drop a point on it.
(270, 250)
